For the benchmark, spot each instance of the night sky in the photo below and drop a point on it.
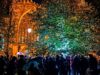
(38, 1)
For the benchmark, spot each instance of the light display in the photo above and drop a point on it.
(65, 32)
(61, 26)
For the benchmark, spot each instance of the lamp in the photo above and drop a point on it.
(29, 30)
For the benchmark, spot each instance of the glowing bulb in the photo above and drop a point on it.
(29, 30)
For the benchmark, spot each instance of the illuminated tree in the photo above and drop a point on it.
(51, 31)
(96, 5)
(7, 27)
(66, 28)
(96, 27)
(81, 26)
(7, 31)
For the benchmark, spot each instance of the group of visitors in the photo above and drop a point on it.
(49, 65)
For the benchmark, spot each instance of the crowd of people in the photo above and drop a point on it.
(49, 65)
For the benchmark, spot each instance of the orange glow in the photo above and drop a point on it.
(20, 9)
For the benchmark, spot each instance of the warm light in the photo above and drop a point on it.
(29, 30)
(46, 37)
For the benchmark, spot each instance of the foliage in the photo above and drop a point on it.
(8, 32)
(61, 31)
(96, 5)
(5, 7)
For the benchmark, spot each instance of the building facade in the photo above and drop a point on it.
(25, 28)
